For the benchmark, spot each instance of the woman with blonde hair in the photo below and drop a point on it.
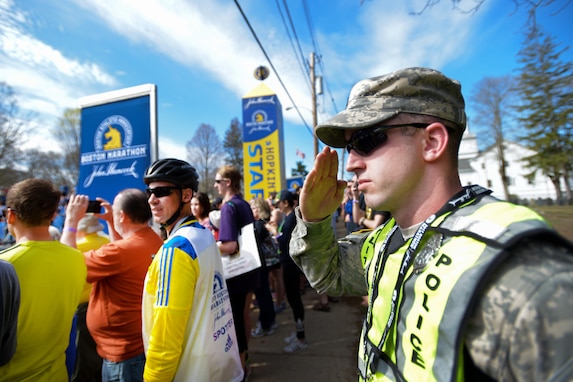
(235, 214)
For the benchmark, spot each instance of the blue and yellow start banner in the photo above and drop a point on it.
(263, 143)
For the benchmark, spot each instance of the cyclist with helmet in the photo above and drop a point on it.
(188, 327)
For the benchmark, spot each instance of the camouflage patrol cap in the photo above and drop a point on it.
(411, 90)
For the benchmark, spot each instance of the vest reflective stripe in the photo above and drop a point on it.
(431, 324)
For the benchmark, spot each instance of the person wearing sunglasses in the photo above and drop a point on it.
(461, 285)
(188, 328)
(235, 214)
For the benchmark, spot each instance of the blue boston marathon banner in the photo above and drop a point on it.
(118, 140)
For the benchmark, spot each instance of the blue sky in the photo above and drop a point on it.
(201, 54)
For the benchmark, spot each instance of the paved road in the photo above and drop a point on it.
(332, 337)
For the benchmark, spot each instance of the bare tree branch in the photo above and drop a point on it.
(492, 98)
(13, 129)
(67, 132)
(530, 5)
(204, 152)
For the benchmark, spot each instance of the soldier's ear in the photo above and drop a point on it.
(435, 141)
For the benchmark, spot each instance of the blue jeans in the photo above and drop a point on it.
(130, 370)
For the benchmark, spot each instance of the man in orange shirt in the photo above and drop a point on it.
(117, 271)
(88, 363)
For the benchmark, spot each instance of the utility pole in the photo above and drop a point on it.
(313, 95)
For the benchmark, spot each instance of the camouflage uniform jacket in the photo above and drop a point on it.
(521, 328)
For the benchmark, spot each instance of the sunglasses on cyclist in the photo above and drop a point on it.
(160, 192)
(367, 140)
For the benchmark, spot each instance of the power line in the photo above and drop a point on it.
(317, 50)
(310, 26)
(271, 64)
(295, 35)
(299, 58)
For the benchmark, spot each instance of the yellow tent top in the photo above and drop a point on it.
(260, 91)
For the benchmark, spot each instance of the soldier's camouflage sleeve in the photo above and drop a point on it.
(331, 266)
(522, 328)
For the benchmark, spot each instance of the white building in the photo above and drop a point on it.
(483, 168)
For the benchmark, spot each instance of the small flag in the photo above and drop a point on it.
(300, 153)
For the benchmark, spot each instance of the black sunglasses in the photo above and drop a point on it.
(160, 192)
(367, 140)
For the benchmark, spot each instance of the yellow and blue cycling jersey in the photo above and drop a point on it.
(188, 328)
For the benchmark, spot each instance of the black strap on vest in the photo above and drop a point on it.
(471, 372)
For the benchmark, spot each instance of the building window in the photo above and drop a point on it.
(489, 183)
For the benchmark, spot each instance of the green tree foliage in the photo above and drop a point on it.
(299, 170)
(491, 100)
(233, 144)
(204, 152)
(546, 107)
(68, 133)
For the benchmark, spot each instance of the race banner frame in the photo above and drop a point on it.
(118, 140)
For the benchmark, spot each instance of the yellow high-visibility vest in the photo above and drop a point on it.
(455, 255)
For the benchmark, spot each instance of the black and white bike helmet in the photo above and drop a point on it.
(175, 171)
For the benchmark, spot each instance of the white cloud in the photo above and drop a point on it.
(212, 37)
(45, 81)
(394, 38)
(206, 35)
(169, 148)
(28, 51)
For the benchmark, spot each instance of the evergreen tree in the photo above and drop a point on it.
(299, 170)
(233, 144)
(546, 107)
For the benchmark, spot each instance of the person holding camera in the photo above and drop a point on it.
(117, 271)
